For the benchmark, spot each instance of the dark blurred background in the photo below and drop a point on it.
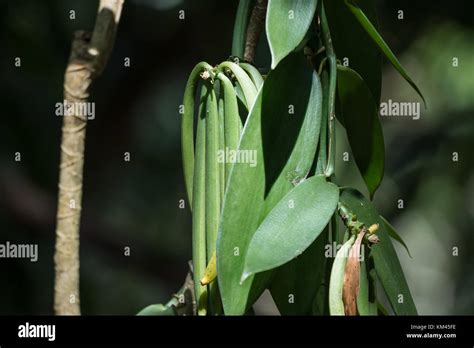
(136, 204)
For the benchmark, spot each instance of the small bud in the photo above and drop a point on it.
(373, 239)
(373, 228)
(205, 75)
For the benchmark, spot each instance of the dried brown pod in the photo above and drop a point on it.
(350, 289)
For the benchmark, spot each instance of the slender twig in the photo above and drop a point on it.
(329, 122)
(256, 24)
(89, 55)
(322, 152)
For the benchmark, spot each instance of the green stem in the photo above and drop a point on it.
(199, 208)
(332, 92)
(240, 28)
(321, 163)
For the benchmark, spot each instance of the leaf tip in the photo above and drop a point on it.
(424, 102)
(277, 57)
(244, 276)
(274, 63)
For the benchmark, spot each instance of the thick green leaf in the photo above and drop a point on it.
(393, 233)
(363, 297)
(366, 301)
(157, 309)
(387, 265)
(363, 127)
(353, 46)
(374, 34)
(287, 23)
(284, 144)
(292, 225)
(381, 310)
(336, 282)
(296, 283)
